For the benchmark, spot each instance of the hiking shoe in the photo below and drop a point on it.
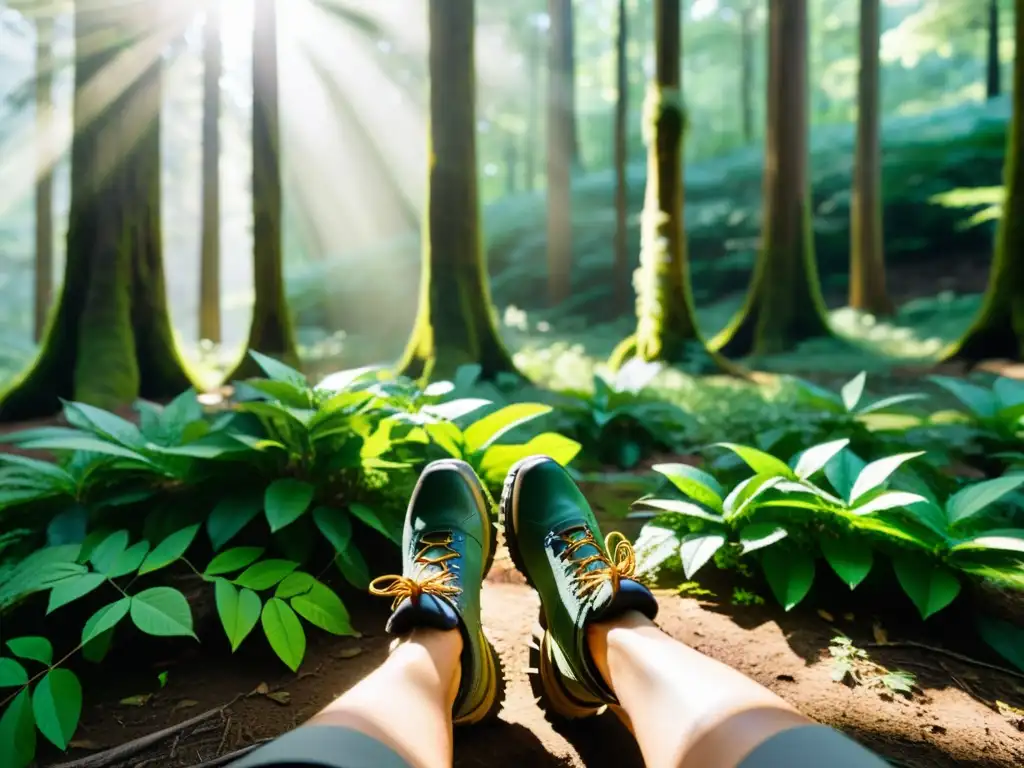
(447, 549)
(553, 540)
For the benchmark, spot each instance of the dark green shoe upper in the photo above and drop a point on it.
(554, 539)
(447, 547)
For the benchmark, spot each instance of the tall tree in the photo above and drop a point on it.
(620, 271)
(560, 144)
(271, 330)
(998, 331)
(109, 339)
(533, 95)
(867, 252)
(992, 65)
(455, 324)
(747, 70)
(44, 22)
(784, 304)
(209, 269)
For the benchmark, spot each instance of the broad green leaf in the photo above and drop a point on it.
(455, 409)
(293, 418)
(57, 704)
(978, 400)
(129, 560)
(233, 560)
(1009, 392)
(162, 612)
(294, 584)
(930, 586)
(853, 390)
(265, 574)
(1004, 638)
(322, 608)
(239, 611)
(498, 459)
(889, 402)
(284, 392)
(790, 574)
(760, 535)
(687, 508)
(653, 547)
(93, 419)
(969, 501)
(52, 472)
(84, 442)
(762, 463)
(1007, 540)
(107, 553)
(105, 618)
(367, 516)
(285, 501)
(72, 589)
(851, 558)
(68, 526)
(895, 528)
(169, 550)
(230, 516)
(353, 567)
(96, 650)
(744, 494)
(12, 674)
(447, 436)
(815, 458)
(335, 525)
(481, 434)
(33, 648)
(877, 472)
(18, 733)
(284, 632)
(278, 371)
(698, 485)
(696, 549)
(886, 500)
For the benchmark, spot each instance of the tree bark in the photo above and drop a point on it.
(209, 269)
(560, 152)
(784, 304)
(993, 70)
(271, 331)
(44, 171)
(747, 72)
(109, 339)
(620, 271)
(455, 324)
(867, 251)
(998, 331)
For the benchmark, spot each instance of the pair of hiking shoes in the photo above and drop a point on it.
(448, 545)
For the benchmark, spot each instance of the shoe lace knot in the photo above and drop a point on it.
(614, 562)
(433, 576)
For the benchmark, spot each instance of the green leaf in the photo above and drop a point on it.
(1004, 638)
(12, 674)
(68, 526)
(696, 549)
(52, 472)
(877, 472)
(57, 704)
(455, 409)
(96, 650)
(743, 495)
(107, 553)
(698, 485)
(285, 501)
(979, 401)
(760, 535)
(498, 459)
(483, 433)
(104, 423)
(353, 567)
(239, 611)
(294, 584)
(889, 402)
(105, 618)
(762, 463)
(85, 443)
(230, 516)
(284, 632)
(162, 612)
(278, 371)
(790, 574)
(886, 500)
(1005, 540)
(322, 608)
(969, 501)
(851, 558)
(446, 436)
(680, 508)
(367, 516)
(335, 525)
(815, 458)
(265, 574)
(18, 733)
(931, 587)
(654, 546)
(233, 560)
(292, 395)
(853, 390)
(129, 560)
(33, 648)
(169, 550)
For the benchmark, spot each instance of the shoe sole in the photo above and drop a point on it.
(554, 699)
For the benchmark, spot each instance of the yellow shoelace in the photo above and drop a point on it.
(438, 583)
(618, 564)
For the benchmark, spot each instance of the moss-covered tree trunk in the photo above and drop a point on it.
(209, 268)
(992, 67)
(784, 304)
(455, 323)
(45, 158)
(271, 330)
(109, 339)
(998, 331)
(747, 70)
(560, 143)
(620, 271)
(867, 254)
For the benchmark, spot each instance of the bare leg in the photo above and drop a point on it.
(684, 708)
(406, 703)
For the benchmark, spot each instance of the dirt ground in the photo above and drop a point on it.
(953, 720)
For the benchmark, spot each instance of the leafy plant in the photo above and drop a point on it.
(852, 663)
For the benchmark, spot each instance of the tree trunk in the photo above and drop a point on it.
(620, 272)
(533, 61)
(992, 85)
(511, 163)
(560, 153)
(998, 331)
(455, 323)
(209, 270)
(44, 171)
(747, 72)
(271, 331)
(110, 337)
(784, 304)
(867, 252)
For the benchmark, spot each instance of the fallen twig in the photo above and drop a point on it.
(231, 756)
(943, 651)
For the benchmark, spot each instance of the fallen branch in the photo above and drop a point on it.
(230, 757)
(944, 652)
